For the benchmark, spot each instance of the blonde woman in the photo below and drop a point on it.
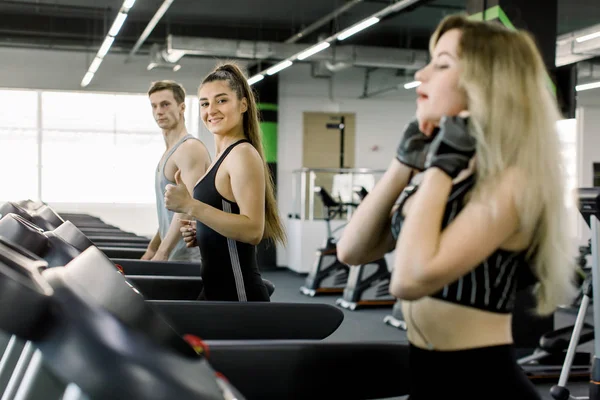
(481, 207)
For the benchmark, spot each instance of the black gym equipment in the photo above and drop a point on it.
(589, 207)
(396, 319)
(267, 320)
(173, 283)
(329, 275)
(368, 284)
(96, 334)
(114, 242)
(556, 355)
(100, 340)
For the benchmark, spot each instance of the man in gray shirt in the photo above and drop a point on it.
(183, 153)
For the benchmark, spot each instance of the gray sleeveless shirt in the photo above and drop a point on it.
(165, 216)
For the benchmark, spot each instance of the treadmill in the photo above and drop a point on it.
(184, 282)
(93, 337)
(264, 320)
(112, 240)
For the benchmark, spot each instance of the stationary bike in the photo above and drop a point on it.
(368, 284)
(547, 359)
(589, 207)
(328, 275)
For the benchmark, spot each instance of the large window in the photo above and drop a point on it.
(567, 131)
(81, 147)
(18, 145)
(100, 148)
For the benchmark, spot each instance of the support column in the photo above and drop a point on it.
(267, 98)
(540, 20)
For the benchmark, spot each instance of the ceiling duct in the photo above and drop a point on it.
(351, 55)
(160, 59)
(579, 45)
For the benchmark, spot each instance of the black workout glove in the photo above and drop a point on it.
(452, 148)
(413, 146)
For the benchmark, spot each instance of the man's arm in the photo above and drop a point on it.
(152, 247)
(192, 159)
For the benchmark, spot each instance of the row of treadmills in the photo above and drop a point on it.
(83, 318)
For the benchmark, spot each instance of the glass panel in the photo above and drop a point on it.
(135, 160)
(77, 167)
(18, 109)
(193, 123)
(73, 111)
(101, 167)
(18, 161)
(133, 113)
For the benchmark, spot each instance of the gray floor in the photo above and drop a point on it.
(367, 324)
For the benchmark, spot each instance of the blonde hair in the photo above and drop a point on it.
(237, 81)
(514, 118)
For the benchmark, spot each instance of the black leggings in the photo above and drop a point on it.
(254, 290)
(489, 373)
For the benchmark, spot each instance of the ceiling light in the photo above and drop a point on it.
(116, 26)
(587, 86)
(255, 78)
(282, 65)
(87, 79)
(357, 28)
(313, 50)
(588, 37)
(411, 85)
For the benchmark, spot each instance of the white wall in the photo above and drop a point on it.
(379, 121)
(64, 70)
(589, 134)
(588, 118)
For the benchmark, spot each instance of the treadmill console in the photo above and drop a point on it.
(589, 203)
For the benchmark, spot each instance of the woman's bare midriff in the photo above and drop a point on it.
(448, 326)
(442, 325)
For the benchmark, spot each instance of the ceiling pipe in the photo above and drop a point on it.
(150, 27)
(319, 23)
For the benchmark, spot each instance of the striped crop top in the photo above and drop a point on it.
(490, 286)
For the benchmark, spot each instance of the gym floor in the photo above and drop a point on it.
(367, 324)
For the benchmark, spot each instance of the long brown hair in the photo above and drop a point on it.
(237, 81)
(514, 118)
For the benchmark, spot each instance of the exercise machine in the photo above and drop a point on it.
(111, 240)
(328, 275)
(368, 284)
(589, 207)
(548, 358)
(396, 319)
(268, 320)
(93, 336)
(108, 343)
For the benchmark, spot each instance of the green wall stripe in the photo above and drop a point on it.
(503, 18)
(497, 12)
(267, 106)
(269, 140)
(476, 17)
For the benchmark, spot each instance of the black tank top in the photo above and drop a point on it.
(229, 268)
(493, 284)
